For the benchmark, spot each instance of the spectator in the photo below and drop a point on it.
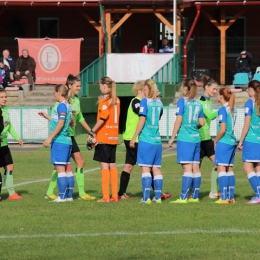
(25, 66)
(4, 72)
(9, 62)
(148, 48)
(243, 63)
(166, 47)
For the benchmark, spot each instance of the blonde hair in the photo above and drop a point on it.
(207, 81)
(153, 90)
(64, 90)
(138, 86)
(229, 97)
(112, 86)
(192, 87)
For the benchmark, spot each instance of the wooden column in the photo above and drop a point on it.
(108, 27)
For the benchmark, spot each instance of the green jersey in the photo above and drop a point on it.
(208, 116)
(8, 127)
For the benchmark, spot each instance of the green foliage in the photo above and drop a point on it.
(36, 229)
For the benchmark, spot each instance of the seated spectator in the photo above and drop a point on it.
(4, 74)
(25, 66)
(243, 63)
(9, 61)
(166, 47)
(148, 48)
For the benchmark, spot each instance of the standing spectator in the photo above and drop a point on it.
(243, 63)
(148, 48)
(4, 79)
(9, 62)
(25, 66)
(166, 47)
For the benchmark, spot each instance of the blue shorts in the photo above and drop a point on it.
(225, 154)
(149, 154)
(188, 152)
(60, 153)
(250, 152)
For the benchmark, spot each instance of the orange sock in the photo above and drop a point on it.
(105, 183)
(114, 182)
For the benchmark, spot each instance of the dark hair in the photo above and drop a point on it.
(229, 97)
(192, 87)
(253, 84)
(207, 81)
(71, 79)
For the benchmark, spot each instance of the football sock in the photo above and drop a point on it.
(62, 184)
(231, 185)
(9, 182)
(152, 185)
(53, 183)
(114, 182)
(214, 181)
(0, 183)
(196, 181)
(186, 183)
(80, 181)
(254, 182)
(105, 183)
(158, 184)
(222, 182)
(258, 176)
(146, 185)
(71, 183)
(124, 180)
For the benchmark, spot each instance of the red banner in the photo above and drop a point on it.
(55, 58)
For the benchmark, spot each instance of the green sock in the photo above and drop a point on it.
(53, 183)
(9, 182)
(214, 181)
(80, 181)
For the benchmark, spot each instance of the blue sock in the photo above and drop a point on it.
(222, 183)
(231, 185)
(258, 176)
(254, 182)
(158, 184)
(146, 185)
(186, 182)
(62, 184)
(196, 181)
(71, 183)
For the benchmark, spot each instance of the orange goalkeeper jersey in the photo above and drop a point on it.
(108, 132)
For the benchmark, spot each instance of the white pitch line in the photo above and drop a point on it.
(86, 171)
(117, 233)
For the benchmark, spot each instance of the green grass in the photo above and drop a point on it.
(36, 229)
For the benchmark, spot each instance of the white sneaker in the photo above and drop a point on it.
(58, 199)
(214, 195)
(69, 199)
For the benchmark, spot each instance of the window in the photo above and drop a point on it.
(48, 27)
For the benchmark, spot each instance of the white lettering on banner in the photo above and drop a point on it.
(51, 79)
(49, 58)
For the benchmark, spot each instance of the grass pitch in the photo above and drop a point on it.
(36, 229)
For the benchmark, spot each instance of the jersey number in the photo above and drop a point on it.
(196, 113)
(154, 114)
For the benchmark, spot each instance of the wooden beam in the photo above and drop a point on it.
(223, 48)
(92, 22)
(164, 21)
(108, 27)
(139, 10)
(178, 33)
(122, 20)
(212, 20)
(232, 20)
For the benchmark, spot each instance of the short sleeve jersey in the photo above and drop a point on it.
(225, 116)
(190, 110)
(61, 112)
(253, 134)
(152, 109)
(108, 132)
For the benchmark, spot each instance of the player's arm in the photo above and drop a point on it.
(44, 115)
(201, 121)
(136, 106)
(14, 134)
(139, 128)
(221, 132)
(176, 128)
(244, 131)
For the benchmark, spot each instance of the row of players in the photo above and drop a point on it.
(142, 130)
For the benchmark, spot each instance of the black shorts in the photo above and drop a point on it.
(75, 148)
(131, 153)
(105, 153)
(5, 156)
(207, 148)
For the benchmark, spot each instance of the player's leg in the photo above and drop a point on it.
(53, 183)
(231, 176)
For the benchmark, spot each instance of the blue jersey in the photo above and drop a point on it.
(190, 110)
(152, 109)
(225, 116)
(61, 112)
(253, 134)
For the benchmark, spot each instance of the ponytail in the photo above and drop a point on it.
(228, 97)
(192, 87)
(257, 98)
(112, 86)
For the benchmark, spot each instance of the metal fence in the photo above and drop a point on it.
(169, 117)
(28, 124)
